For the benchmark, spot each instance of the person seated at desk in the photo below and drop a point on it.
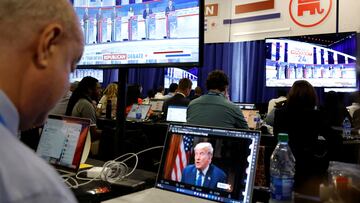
(355, 103)
(150, 96)
(214, 108)
(303, 124)
(197, 93)
(160, 93)
(356, 120)
(281, 97)
(82, 103)
(172, 90)
(133, 97)
(202, 172)
(110, 93)
(180, 97)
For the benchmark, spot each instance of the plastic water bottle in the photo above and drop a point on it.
(346, 128)
(282, 171)
(138, 113)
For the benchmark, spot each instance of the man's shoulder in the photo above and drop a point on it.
(189, 167)
(217, 170)
(30, 175)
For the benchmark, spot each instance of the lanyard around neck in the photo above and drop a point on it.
(2, 121)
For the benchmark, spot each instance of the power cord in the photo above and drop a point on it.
(112, 171)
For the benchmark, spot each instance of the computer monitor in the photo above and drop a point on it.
(63, 142)
(138, 112)
(245, 105)
(234, 156)
(324, 60)
(141, 34)
(174, 75)
(157, 104)
(176, 114)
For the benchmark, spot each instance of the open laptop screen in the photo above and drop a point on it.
(156, 104)
(62, 141)
(142, 110)
(245, 105)
(228, 173)
(176, 114)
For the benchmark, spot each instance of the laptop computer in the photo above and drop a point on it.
(65, 142)
(138, 112)
(156, 105)
(176, 114)
(250, 115)
(245, 105)
(234, 153)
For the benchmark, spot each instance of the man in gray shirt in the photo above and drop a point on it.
(214, 108)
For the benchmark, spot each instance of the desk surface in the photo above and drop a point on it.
(98, 191)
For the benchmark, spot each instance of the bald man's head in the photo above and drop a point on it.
(42, 42)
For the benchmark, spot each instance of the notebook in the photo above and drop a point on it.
(65, 142)
(229, 177)
(176, 114)
(138, 112)
(156, 105)
(250, 116)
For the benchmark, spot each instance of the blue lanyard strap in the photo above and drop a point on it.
(2, 121)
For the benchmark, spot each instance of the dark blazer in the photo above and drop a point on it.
(303, 127)
(176, 100)
(212, 176)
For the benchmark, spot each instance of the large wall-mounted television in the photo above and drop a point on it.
(174, 75)
(79, 74)
(141, 33)
(325, 60)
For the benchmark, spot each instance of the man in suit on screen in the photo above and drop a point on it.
(202, 173)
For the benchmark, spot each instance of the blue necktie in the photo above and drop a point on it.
(199, 179)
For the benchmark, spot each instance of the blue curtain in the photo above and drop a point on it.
(149, 78)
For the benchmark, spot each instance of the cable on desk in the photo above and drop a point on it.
(112, 171)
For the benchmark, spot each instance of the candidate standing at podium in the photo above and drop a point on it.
(202, 173)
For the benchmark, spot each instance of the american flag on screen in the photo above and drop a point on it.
(182, 157)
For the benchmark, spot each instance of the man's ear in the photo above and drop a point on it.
(48, 40)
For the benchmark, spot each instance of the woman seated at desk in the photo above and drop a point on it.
(133, 97)
(82, 103)
(304, 124)
(110, 94)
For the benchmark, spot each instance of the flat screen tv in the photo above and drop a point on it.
(325, 60)
(79, 74)
(141, 33)
(174, 75)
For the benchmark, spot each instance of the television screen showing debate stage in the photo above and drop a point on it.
(139, 32)
(326, 60)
